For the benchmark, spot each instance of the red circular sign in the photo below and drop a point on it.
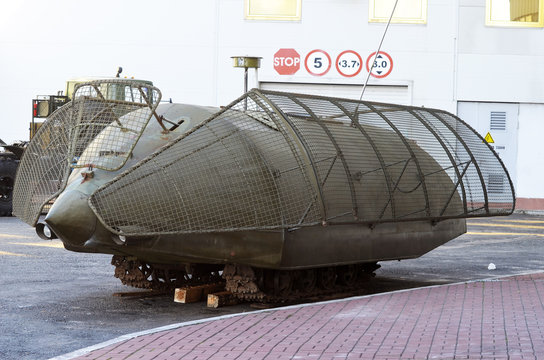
(349, 63)
(286, 61)
(317, 62)
(382, 64)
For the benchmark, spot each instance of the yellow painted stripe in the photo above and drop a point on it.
(502, 234)
(44, 244)
(523, 221)
(507, 225)
(11, 254)
(8, 236)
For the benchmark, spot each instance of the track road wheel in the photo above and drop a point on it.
(327, 278)
(283, 283)
(305, 281)
(277, 283)
(347, 275)
(8, 168)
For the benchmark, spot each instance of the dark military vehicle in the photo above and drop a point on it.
(284, 194)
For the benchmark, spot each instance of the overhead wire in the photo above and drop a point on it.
(377, 53)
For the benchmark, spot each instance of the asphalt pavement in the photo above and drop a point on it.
(54, 301)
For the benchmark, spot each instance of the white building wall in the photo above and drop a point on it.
(498, 64)
(530, 155)
(185, 47)
(454, 57)
(422, 54)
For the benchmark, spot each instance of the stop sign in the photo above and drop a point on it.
(286, 61)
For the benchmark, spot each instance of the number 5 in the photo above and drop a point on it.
(317, 63)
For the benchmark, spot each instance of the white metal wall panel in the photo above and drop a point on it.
(499, 123)
(396, 94)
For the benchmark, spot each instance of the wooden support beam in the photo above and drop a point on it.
(141, 294)
(223, 298)
(192, 294)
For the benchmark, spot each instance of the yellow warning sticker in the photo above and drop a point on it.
(489, 138)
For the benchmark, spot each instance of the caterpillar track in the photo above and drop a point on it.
(277, 286)
(245, 282)
(139, 274)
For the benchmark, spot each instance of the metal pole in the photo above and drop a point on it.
(377, 53)
(245, 87)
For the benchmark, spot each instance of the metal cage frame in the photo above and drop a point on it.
(303, 160)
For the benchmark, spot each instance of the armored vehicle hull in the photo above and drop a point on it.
(276, 181)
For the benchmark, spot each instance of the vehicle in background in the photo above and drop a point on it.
(42, 107)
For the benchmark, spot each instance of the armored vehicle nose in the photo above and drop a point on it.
(71, 218)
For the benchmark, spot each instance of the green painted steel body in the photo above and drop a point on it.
(274, 180)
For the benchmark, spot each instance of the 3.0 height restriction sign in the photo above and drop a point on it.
(379, 66)
(318, 62)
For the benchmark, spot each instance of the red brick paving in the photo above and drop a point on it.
(494, 319)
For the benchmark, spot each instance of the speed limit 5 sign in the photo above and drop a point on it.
(318, 62)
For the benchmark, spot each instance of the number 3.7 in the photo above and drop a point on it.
(344, 63)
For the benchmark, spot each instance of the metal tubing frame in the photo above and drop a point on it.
(355, 122)
(304, 150)
(301, 150)
(452, 160)
(355, 210)
(412, 154)
(469, 152)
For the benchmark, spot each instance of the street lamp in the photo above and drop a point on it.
(247, 62)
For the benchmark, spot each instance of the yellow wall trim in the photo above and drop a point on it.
(283, 10)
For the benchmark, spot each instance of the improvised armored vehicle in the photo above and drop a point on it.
(287, 194)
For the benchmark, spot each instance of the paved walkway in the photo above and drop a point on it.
(493, 319)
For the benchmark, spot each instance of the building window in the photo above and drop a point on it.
(288, 10)
(407, 11)
(520, 13)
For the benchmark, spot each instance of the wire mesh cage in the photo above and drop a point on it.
(275, 160)
(112, 113)
(109, 117)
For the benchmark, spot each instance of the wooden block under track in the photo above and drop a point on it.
(192, 294)
(223, 298)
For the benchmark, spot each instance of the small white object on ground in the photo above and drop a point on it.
(491, 266)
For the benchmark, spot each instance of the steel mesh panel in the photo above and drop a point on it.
(234, 172)
(112, 113)
(278, 160)
(44, 167)
(486, 168)
(108, 125)
(371, 162)
(428, 167)
(404, 195)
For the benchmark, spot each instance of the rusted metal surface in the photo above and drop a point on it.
(273, 286)
(160, 277)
